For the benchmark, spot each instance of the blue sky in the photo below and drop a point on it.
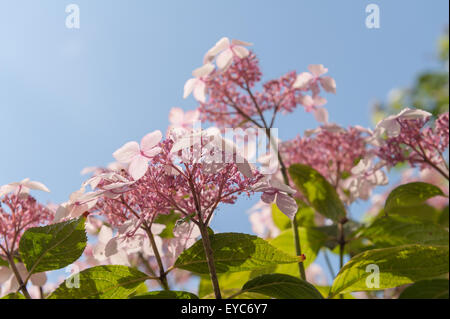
(69, 98)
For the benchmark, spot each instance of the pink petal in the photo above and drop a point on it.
(127, 152)
(138, 167)
(268, 198)
(239, 42)
(37, 186)
(317, 69)
(188, 87)
(321, 115)
(191, 116)
(150, 140)
(221, 45)
(39, 279)
(287, 205)
(203, 70)
(241, 52)
(302, 80)
(176, 116)
(307, 101)
(328, 84)
(224, 59)
(200, 92)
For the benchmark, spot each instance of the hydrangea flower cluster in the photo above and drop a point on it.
(18, 212)
(186, 175)
(330, 149)
(227, 97)
(411, 137)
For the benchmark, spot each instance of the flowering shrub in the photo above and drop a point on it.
(149, 213)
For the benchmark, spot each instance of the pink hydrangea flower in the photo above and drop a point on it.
(275, 191)
(312, 78)
(138, 156)
(18, 212)
(180, 119)
(197, 83)
(224, 51)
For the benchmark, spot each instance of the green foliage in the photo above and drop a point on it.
(169, 220)
(3, 262)
(442, 218)
(410, 195)
(102, 282)
(320, 194)
(13, 295)
(304, 216)
(233, 252)
(396, 231)
(331, 232)
(311, 240)
(282, 286)
(236, 293)
(422, 212)
(166, 295)
(54, 246)
(397, 266)
(427, 289)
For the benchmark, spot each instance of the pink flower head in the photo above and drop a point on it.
(78, 203)
(311, 79)
(138, 156)
(391, 126)
(365, 176)
(275, 191)
(22, 188)
(197, 83)
(180, 119)
(214, 150)
(17, 214)
(411, 137)
(224, 51)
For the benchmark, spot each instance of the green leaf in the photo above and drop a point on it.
(3, 262)
(102, 282)
(236, 294)
(427, 289)
(320, 194)
(227, 281)
(423, 212)
(397, 266)
(282, 286)
(331, 232)
(169, 220)
(411, 194)
(442, 218)
(54, 246)
(233, 252)
(325, 290)
(304, 216)
(311, 241)
(166, 295)
(13, 295)
(395, 231)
